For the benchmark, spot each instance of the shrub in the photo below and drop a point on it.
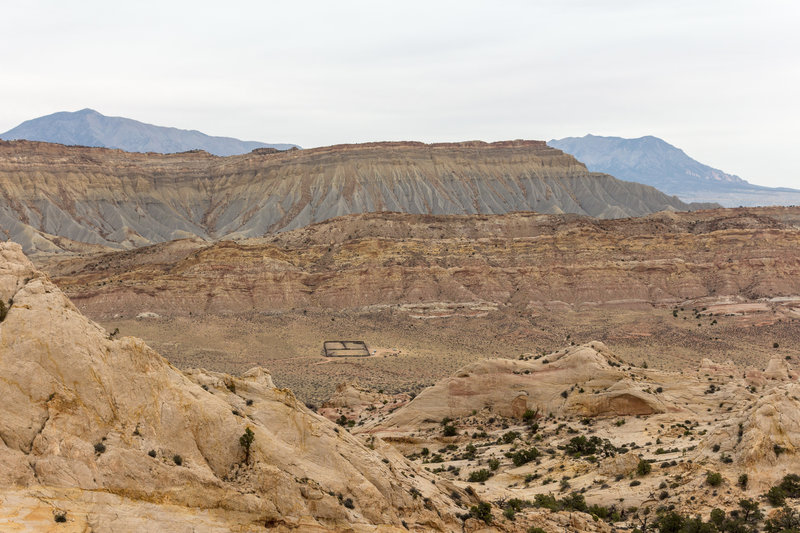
(510, 436)
(791, 485)
(3, 312)
(449, 430)
(60, 516)
(245, 441)
(714, 479)
(99, 448)
(776, 497)
(529, 415)
(482, 511)
(348, 502)
(177, 459)
(522, 457)
(643, 468)
(479, 476)
(784, 521)
(534, 529)
(151, 453)
(494, 464)
(743, 481)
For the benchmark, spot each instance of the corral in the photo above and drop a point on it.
(345, 349)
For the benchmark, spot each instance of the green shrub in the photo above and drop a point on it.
(479, 476)
(522, 457)
(494, 464)
(776, 497)
(510, 436)
(784, 521)
(482, 511)
(245, 441)
(643, 468)
(791, 485)
(99, 448)
(714, 479)
(449, 430)
(177, 459)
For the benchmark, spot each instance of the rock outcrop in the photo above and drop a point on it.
(108, 431)
(584, 380)
(454, 265)
(123, 200)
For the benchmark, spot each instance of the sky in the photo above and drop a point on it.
(719, 79)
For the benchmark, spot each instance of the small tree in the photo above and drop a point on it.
(246, 440)
(643, 468)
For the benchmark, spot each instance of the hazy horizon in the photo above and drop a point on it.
(716, 79)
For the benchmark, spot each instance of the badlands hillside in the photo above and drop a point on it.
(58, 197)
(431, 294)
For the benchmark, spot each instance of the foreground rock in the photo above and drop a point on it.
(108, 432)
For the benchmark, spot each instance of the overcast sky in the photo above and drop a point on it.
(719, 79)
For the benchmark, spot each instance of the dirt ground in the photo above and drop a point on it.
(413, 353)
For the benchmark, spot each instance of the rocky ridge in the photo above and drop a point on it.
(456, 265)
(55, 197)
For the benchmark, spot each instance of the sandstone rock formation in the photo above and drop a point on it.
(108, 431)
(584, 380)
(123, 200)
(454, 265)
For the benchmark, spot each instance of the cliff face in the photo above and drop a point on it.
(109, 432)
(53, 194)
(519, 261)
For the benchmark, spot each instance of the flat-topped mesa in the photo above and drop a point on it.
(122, 200)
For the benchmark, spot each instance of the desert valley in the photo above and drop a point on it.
(532, 346)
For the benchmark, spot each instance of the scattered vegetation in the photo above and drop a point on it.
(245, 441)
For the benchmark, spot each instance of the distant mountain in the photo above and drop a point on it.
(87, 127)
(652, 161)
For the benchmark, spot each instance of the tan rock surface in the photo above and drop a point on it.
(579, 380)
(84, 413)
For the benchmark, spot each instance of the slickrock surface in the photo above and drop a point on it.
(55, 197)
(570, 437)
(108, 431)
